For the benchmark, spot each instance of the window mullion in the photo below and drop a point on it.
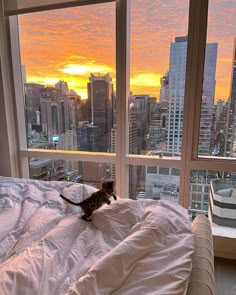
(122, 91)
(19, 92)
(9, 151)
(11, 7)
(68, 155)
(193, 90)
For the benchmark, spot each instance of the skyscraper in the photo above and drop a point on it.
(208, 95)
(133, 149)
(204, 147)
(32, 96)
(177, 70)
(209, 81)
(46, 117)
(69, 141)
(164, 91)
(231, 134)
(141, 111)
(155, 127)
(87, 135)
(63, 87)
(220, 128)
(100, 111)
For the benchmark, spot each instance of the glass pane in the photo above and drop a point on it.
(61, 170)
(217, 137)
(157, 68)
(12, 6)
(213, 193)
(151, 183)
(68, 68)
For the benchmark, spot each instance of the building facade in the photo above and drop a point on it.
(231, 134)
(100, 108)
(177, 71)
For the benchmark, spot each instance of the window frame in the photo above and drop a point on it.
(15, 123)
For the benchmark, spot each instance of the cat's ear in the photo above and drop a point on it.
(109, 184)
(104, 184)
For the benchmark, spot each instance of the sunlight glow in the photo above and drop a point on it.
(146, 79)
(73, 69)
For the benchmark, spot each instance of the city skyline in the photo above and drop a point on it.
(70, 47)
(58, 119)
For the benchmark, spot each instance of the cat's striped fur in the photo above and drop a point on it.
(96, 200)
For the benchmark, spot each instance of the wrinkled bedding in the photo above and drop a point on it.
(130, 247)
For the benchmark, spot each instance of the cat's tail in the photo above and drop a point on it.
(69, 201)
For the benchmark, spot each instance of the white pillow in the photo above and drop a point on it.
(226, 192)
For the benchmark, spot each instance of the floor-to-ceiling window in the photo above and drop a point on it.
(138, 91)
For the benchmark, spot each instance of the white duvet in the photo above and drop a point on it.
(131, 247)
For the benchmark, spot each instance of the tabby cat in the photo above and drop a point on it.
(96, 200)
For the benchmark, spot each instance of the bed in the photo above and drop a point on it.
(130, 247)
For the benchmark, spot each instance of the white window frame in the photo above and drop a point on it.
(197, 28)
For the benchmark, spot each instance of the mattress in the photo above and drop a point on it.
(130, 247)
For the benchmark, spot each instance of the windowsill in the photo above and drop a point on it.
(223, 231)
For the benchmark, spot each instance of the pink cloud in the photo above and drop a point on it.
(51, 40)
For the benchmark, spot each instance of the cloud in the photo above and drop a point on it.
(146, 79)
(70, 43)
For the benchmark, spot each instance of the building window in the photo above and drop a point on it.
(70, 95)
(164, 171)
(152, 170)
(154, 91)
(175, 172)
(217, 118)
(158, 186)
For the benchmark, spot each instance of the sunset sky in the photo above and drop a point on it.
(69, 44)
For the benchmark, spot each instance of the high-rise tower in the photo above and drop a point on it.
(231, 134)
(100, 111)
(141, 112)
(177, 70)
(63, 87)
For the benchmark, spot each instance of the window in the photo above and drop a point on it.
(157, 119)
(175, 172)
(164, 171)
(217, 134)
(157, 75)
(152, 170)
(91, 173)
(70, 95)
(157, 186)
(205, 184)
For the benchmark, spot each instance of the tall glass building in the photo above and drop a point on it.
(177, 70)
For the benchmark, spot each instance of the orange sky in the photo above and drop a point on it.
(69, 44)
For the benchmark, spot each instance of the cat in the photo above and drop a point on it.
(96, 200)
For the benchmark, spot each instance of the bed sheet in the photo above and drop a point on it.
(130, 247)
